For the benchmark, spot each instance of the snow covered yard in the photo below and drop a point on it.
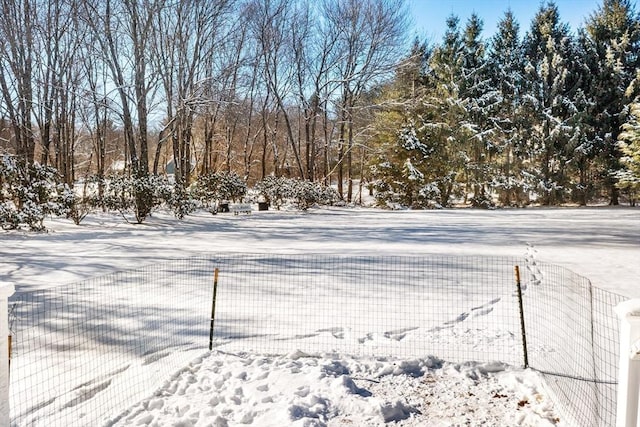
(223, 389)
(231, 387)
(601, 243)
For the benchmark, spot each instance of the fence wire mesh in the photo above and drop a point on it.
(575, 336)
(83, 353)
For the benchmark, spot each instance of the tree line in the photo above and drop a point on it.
(259, 87)
(329, 91)
(514, 120)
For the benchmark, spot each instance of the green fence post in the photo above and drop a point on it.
(213, 307)
(522, 328)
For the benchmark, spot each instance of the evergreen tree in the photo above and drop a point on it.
(446, 111)
(410, 79)
(514, 119)
(405, 167)
(479, 100)
(419, 161)
(549, 107)
(506, 65)
(629, 144)
(581, 149)
(612, 43)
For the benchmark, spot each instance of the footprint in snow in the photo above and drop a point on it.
(368, 337)
(398, 334)
(336, 332)
(458, 319)
(485, 308)
(476, 311)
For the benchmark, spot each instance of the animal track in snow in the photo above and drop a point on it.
(481, 310)
(398, 334)
(85, 394)
(368, 337)
(532, 267)
(336, 332)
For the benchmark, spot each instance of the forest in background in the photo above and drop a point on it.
(547, 117)
(334, 92)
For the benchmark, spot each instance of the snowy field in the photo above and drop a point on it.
(228, 387)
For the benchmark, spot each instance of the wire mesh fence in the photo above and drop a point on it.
(576, 343)
(85, 352)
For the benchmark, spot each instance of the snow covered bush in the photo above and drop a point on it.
(232, 187)
(28, 193)
(482, 200)
(307, 194)
(139, 195)
(181, 201)
(303, 194)
(215, 187)
(406, 193)
(412, 170)
(274, 190)
(78, 206)
(8, 216)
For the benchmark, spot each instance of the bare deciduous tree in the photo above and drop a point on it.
(370, 36)
(123, 30)
(271, 25)
(17, 51)
(185, 36)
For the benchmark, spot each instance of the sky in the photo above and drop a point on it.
(430, 15)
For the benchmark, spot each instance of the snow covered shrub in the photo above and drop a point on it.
(303, 194)
(629, 184)
(28, 193)
(182, 202)
(215, 187)
(408, 194)
(117, 193)
(232, 187)
(307, 194)
(328, 195)
(511, 190)
(77, 206)
(139, 195)
(205, 189)
(274, 190)
(8, 216)
(86, 196)
(430, 195)
(482, 200)
(413, 170)
(384, 194)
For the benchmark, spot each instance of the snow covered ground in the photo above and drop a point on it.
(600, 243)
(227, 387)
(330, 390)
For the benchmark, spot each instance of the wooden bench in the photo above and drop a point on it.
(240, 208)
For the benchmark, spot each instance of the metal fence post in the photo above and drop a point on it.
(523, 331)
(6, 290)
(629, 374)
(213, 307)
